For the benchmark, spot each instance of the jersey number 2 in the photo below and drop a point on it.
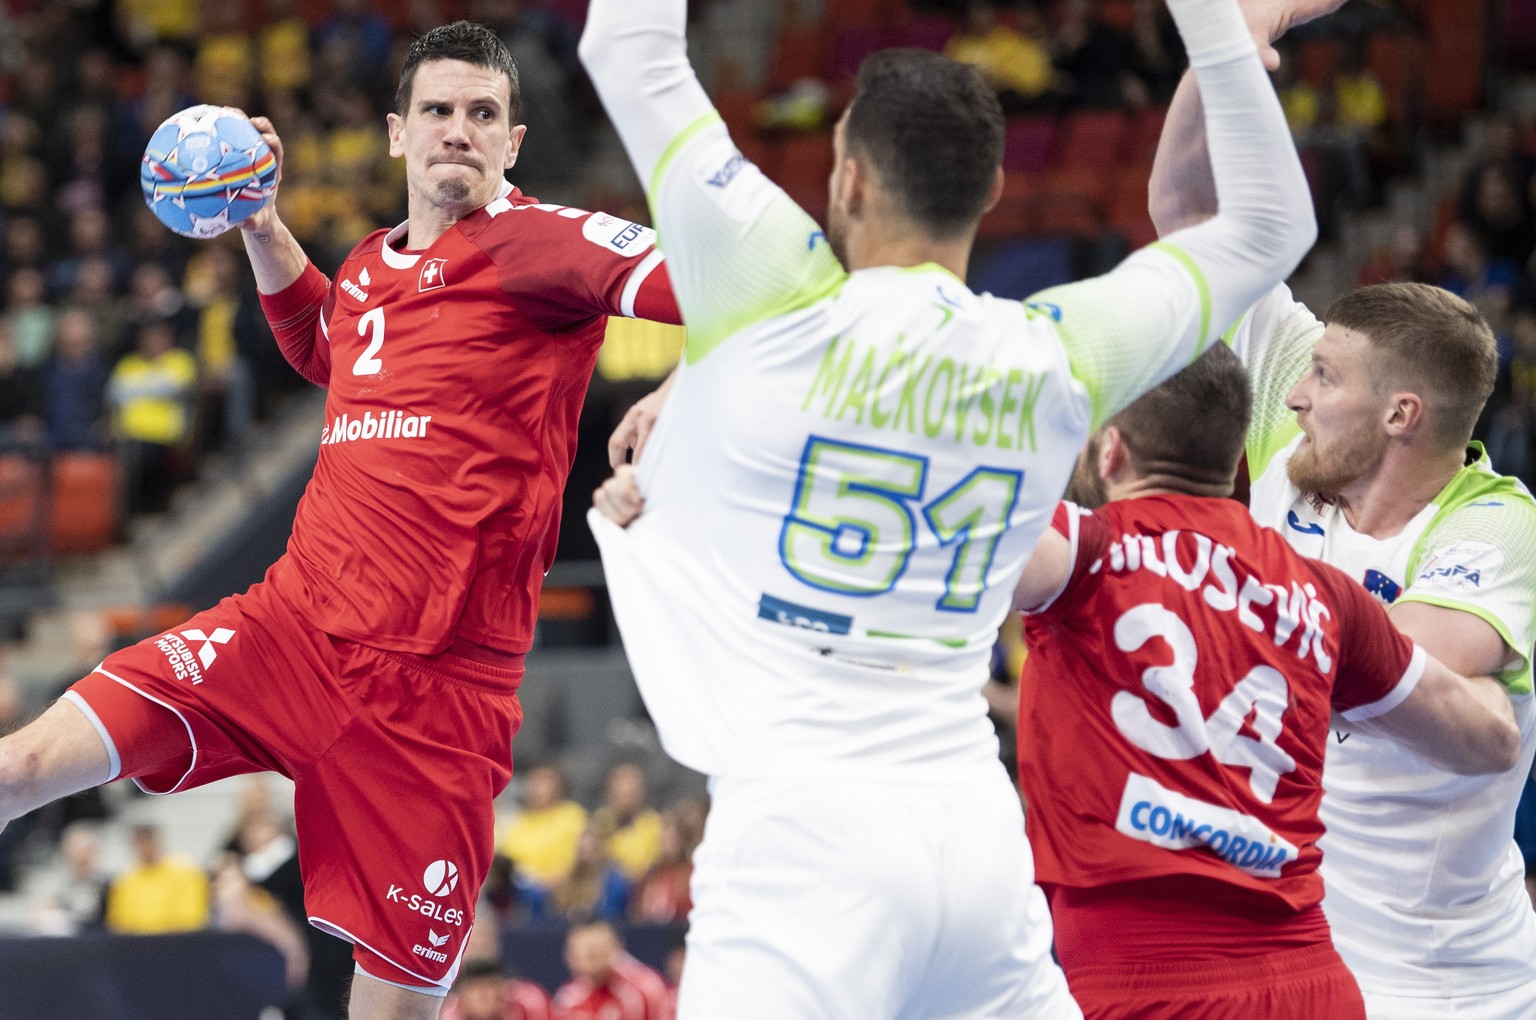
(1263, 693)
(370, 325)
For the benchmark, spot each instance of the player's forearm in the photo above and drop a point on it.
(277, 259)
(1264, 222)
(1182, 191)
(1465, 725)
(294, 315)
(635, 53)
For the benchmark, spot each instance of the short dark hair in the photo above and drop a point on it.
(466, 41)
(1431, 341)
(1193, 425)
(933, 130)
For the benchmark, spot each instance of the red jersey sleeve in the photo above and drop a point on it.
(1089, 536)
(566, 266)
(297, 315)
(1378, 665)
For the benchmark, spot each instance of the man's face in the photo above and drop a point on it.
(589, 953)
(456, 138)
(484, 998)
(1340, 408)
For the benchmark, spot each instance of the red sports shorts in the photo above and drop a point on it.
(1296, 983)
(395, 759)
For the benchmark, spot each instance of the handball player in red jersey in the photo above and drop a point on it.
(1174, 709)
(377, 664)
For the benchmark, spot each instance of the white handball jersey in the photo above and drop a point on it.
(849, 475)
(1425, 890)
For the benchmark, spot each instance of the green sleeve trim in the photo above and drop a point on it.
(1184, 259)
(1093, 386)
(1516, 680)
(702, 342)
(1230, 336)
(675, 146)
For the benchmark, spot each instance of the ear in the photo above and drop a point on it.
(854, 192)
(1114, 455)
(997, 191)
(514, 145)
(1404, 414)
(396, 125)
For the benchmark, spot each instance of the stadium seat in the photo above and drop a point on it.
(853, 44)
(1453, 48)
(1393, 57)
(87, 502)
(1030, 143)
(930, 32)
(851, 13)
(1146, 129)
(804, 165)
(22, 508)
(1092, 139)
(1316, 62)
(798, 54)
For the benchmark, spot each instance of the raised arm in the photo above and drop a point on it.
(1140, 323)
(276, 257)
(291, 289)
(739, 250)
(1182, 191)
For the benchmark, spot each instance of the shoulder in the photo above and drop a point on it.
(574, 230)
(369, 245)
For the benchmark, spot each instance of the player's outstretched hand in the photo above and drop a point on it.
(1268, 20)
(261, 220)
(618, 499)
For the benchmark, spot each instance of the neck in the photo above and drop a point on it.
(880, 243)
(1164, 484)
(1382, 503)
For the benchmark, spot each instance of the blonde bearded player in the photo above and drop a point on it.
(1374, 473)
(850, 471)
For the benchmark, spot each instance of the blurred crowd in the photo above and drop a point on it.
(117, 336)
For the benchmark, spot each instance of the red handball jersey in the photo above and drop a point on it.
(455, 376)
(1175, 703)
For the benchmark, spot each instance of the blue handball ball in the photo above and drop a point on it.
(206, 169)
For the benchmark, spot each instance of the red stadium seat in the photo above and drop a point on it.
(1146, 130)
(1093, 138)
(1030, 144)
(799, 53)
(930, 32)
(22, 506)
(86, 502)
(853, 44)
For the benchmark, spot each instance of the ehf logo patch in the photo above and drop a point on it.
(621, 236)
(434, 274)
(1462, 567)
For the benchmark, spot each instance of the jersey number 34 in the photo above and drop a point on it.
(1263, 693)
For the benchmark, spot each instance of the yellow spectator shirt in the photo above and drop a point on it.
(543, 843)
(168, 896)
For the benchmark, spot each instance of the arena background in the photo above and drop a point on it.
(1416, 121)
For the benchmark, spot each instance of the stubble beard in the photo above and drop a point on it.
(1085, 487)
(1327, 471)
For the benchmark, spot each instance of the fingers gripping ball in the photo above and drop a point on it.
(206, 169)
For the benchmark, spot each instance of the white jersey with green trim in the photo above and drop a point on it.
(1425, 886)
(848, 476)
(851, 469)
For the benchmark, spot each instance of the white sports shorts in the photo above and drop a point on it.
(839, 900)
(1517, 1003)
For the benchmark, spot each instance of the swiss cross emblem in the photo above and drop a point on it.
(432, 274)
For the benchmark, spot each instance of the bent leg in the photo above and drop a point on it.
(57, 754)
(373, 999)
